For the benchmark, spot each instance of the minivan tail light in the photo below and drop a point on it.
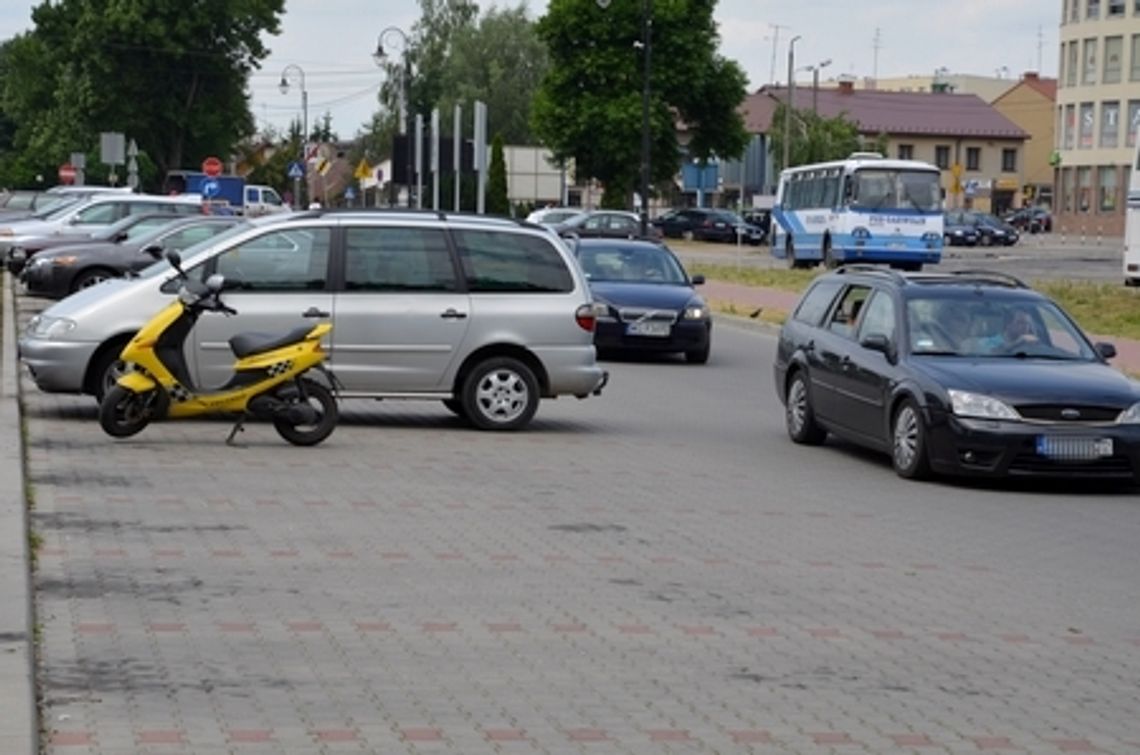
(587, 317)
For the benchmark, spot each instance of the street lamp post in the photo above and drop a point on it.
(815, 84)
(646, 44)
(406, 95)
(293, 68)
(791, 103)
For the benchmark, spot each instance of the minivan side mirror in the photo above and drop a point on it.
(698, 280)
(1106, 350)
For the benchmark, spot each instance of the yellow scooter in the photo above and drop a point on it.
(268, 383)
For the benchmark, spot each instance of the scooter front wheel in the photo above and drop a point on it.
(318, 398)
(122, 413)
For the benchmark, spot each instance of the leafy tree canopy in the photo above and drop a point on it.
(170, 75)
(589, 105)
(813, 138)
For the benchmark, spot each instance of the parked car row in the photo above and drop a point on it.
(700, 224)
(968, 228)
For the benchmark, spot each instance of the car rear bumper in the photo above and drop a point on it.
(683, 336)
(44, 280)
(572, 371)
(1011, 449)
(56, 366)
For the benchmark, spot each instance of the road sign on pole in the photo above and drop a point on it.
(67, 173)
(212, 167)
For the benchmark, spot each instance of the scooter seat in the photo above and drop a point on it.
(248, 344)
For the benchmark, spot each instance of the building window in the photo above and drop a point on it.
(1110, 124)
(1113, 64)
(1084, 189)
(1075, 10)
(906, 151)
(942, 156)
(1009, 160)
(1134, 71)
(1070, 126)
(1089, 75)
(1066, 189)
(1086, 120)
(1106, 194)
(1133, 122)
(973, 158)
(1071, 66)
(1115, 8)
(1061, 67)
(1093, 9)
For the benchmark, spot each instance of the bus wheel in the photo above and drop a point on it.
(829, 260)
(790, 254)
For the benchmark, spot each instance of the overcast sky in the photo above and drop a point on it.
(332, 41)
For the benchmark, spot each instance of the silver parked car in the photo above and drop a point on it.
(487, 315)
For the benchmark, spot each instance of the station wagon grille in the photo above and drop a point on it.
(1068, 413)
(634, 314)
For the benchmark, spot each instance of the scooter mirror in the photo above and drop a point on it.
(216, 282)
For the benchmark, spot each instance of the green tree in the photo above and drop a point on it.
(497, 202)
(589, 105)
(170, 75)
(813, 137)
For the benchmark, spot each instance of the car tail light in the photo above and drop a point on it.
(587, 317)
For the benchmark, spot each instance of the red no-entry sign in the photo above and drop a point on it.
(67, 173)
(212, 167)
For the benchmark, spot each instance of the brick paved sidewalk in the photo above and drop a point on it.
(747, 299)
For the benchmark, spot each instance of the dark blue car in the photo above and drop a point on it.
(646, 302)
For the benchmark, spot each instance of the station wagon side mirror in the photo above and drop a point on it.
(879, 342)
(1106, 350)
(698, 280)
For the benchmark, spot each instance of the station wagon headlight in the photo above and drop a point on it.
(696, 312)
(977, 405)
(50, 328)
(1130, 416)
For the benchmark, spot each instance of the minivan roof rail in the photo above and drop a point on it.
(414, 213)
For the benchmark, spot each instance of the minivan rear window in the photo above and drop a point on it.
(498, 261)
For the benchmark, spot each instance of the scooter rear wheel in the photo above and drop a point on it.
(123, 413)
(327, 417)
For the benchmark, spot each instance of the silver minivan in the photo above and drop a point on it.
(488, 315)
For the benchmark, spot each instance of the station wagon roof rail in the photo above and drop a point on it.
(874, 270)
(991, 276)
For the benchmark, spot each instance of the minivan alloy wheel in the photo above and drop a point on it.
(500, 394)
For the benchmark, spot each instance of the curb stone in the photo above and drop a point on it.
(18, 725)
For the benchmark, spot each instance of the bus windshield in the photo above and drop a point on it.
(884, 189)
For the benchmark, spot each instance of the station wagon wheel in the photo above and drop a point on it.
(908, 442)
(500, 393)
(798, 414)
(89, 278)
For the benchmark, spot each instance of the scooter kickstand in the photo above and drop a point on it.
(238, 428)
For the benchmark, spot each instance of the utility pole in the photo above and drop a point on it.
(775, 45)
(1040, 44)
(789, 106)
(876, 45)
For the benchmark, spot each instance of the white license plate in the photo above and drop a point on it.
(1073, 449)
(649, 328)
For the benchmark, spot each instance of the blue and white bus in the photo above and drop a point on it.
(862, 209)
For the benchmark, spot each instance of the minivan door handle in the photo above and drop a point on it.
(453, 314)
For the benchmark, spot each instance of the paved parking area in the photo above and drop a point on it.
(655, 570)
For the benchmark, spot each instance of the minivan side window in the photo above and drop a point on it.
(397, 259)
(498, 261)
(294, 259)
(816, 302)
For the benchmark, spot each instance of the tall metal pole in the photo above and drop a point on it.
(406, 86)
(284, 87)
(815, 90)
(647, 36)
(789, 106)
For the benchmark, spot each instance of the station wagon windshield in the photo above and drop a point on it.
(993, 327)
(883, 189)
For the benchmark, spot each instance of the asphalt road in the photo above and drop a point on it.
(1037, 257)
(655, 570)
